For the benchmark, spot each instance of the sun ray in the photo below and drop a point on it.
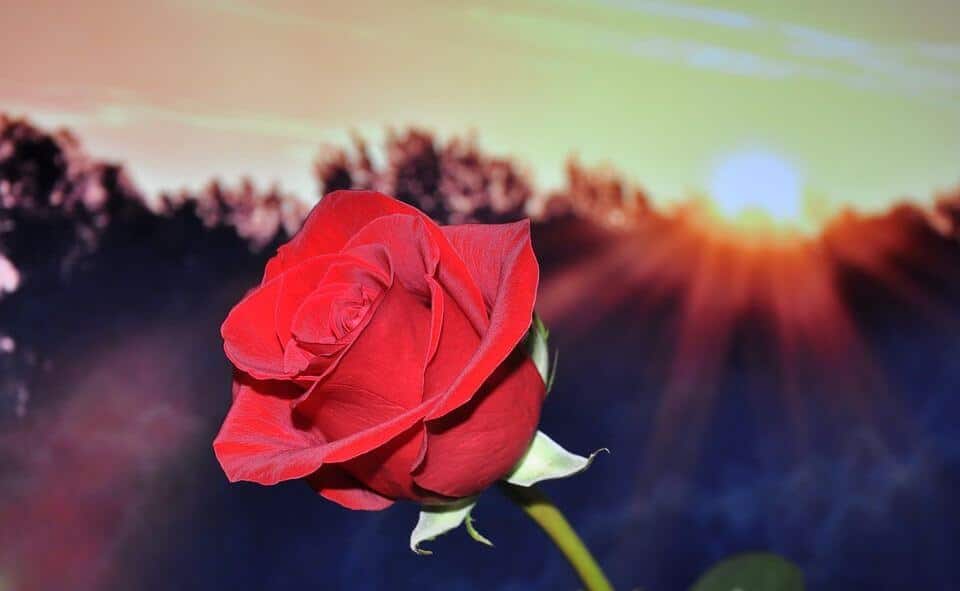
(784, 290)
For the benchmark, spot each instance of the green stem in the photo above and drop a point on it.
(542, 510)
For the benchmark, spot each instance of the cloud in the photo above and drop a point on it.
(939, 51)
(897, 65)
(775, 49)
(702, 14)
(718, 58)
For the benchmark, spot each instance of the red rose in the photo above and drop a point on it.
(379, 357)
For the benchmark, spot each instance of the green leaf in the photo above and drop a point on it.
(547, 460)
(752, 572)
(436, 520)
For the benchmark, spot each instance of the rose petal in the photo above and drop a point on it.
(250, 332)
(330, 225)
(437, 308)
(259, 440)
(413, 252)
(295, 287)
(374, 394)
(386, 469)
(373, 437)
(491, 253)
(249, 335)
(314, 350)
(384, 368)
(470, 448)
(296, 360)
(501, 261)
(341, 214)
(457, 342)
(264, 440)
(335, 484)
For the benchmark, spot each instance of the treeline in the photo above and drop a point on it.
(57, 205)
(454, 181)
(48, 180)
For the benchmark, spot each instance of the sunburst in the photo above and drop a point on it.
(779, 286)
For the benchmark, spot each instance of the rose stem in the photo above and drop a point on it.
(542, 510)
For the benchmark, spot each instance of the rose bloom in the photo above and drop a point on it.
(380, 358)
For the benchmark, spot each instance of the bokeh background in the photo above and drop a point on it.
(747, 215)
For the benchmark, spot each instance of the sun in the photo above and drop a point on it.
(757, 188)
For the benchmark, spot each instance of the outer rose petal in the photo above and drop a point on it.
(264, 440)
(259, 440)
(478, 443)
(386, 469)
(250, 336)
(331, 224)
(501, 261)
(333, 483)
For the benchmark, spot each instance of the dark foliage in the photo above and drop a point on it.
(453, 182)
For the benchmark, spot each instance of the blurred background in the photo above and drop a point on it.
(747, 215)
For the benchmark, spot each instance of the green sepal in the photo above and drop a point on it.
(472, 530)
(546, 459)
(539, 350)
(436, 520)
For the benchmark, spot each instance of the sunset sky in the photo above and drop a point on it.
(855, 102)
